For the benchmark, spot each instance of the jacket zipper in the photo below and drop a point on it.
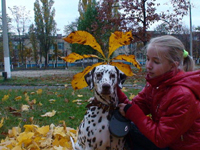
(157, 107)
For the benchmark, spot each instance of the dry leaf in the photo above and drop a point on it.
(72, 117)
(18, 98)
(124, 89)
(80, 95)
(32, 93)
(5, 97)
(39, 91)
(25, 108)
(52, 101)
(77, 100)
(49, 114)
(1, 122)
(131, 96)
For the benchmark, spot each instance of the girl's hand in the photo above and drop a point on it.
(121, 108)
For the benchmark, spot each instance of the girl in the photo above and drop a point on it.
(171, 96)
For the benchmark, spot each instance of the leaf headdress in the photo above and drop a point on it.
(116, 40)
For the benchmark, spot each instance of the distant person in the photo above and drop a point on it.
(166, 113)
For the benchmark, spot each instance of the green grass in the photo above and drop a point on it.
(51, 80)
(67, 110)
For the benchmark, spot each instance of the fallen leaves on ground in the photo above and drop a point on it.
(49, 114)
(35, 138)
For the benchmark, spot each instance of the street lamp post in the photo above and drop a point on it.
(190, 29)
(7, 73)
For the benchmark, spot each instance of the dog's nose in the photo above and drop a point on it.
(106, 86)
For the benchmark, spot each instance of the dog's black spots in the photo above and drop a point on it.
(93, 116)
(100, 119)
(88, 133)
(111, 138)
(89, 142)
(93, 109)
(100, 143)
(89, 122)
(94, 140)
(100, 131)
(79, 132)
(87, 129)
(103, 127)
(94, 124)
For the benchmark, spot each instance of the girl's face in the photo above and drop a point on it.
(156, 63)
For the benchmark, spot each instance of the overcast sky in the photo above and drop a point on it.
(67, 11)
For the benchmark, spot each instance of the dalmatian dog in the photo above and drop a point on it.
(94, 132)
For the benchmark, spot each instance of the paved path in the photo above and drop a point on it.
(39, 73)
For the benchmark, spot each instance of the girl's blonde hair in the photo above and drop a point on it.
(174, 49)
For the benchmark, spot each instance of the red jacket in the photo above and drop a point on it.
(173, 100)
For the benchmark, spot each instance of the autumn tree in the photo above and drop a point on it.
(34, 43)
(88, 14)
(21, 18)
(100, 19)
(107, 21)
(139, 15)
(45, 25)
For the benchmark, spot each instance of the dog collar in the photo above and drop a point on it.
(105, 107)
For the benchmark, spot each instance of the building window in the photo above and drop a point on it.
(61, 45)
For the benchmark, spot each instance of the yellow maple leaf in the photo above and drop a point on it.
(118, 39)
(5, 97)
(30, 128)
(25, 138)
(43, 130)
(80, 95)
(52, 101)
(131, 96)
(27, 98)
(49, 114)
(39, 91)
(14, 132)
(1, 122)
(18, 98)
(77, 100)
(17, 148)
(84, 38)
(124, 89)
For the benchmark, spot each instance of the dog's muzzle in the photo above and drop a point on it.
(106, 89)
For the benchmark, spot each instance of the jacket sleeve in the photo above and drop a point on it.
(141, 100)
(178, 118)
(122, 97)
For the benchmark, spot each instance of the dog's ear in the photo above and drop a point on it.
(121, 77)
(89, 78)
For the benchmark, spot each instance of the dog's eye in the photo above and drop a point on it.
(99, 76)
(112, 76)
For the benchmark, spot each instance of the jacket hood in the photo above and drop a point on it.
(190, 80)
